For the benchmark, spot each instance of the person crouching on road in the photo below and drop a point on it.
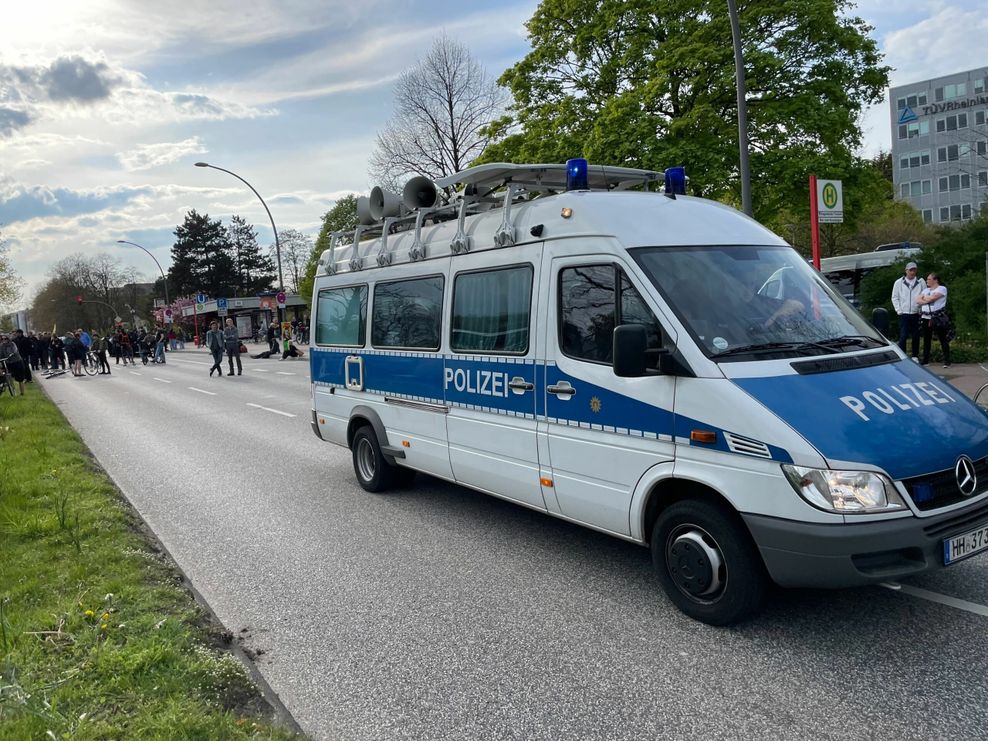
(905, 291)
(231, 339)
(215, 344)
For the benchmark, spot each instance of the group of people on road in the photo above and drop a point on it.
(223, 340)
(922, 310)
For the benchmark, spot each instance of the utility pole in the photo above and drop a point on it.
(732, 9)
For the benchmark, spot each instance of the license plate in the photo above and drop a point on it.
(966, 544)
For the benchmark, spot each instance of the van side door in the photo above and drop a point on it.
(490, 373)
(604, 431)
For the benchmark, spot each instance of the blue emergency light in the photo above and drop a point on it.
(576, 175)
(675, 181)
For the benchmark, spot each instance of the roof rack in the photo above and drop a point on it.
(497, 185)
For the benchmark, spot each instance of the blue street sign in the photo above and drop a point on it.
(200, 298)
(221, 303)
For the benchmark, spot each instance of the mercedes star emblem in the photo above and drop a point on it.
(967, 479)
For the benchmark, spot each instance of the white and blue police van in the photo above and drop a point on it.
(591, 343)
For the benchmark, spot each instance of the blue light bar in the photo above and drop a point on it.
(676, 180)
(576, 175)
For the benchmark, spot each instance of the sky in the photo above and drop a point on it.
(106, 104)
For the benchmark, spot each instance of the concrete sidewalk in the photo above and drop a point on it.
(968, 377)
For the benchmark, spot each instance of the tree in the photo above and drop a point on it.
(9, 282)
(296, 249)
(253, 269)
(342, 217)
(100, 279)
(201, 258)
(650, 83)
(442, 107)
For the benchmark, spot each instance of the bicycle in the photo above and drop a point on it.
(91, 364)
(981, 396)
(6, 380)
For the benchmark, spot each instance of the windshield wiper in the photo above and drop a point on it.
(849, 339)
(800, 347)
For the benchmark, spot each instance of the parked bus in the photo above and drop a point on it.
(846, 272)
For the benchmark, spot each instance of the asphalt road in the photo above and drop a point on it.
(441, 613)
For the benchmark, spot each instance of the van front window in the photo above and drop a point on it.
(752, 303)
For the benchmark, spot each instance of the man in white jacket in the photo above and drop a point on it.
(905, 291)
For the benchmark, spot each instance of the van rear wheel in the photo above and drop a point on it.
(707, 563)
(373, 472)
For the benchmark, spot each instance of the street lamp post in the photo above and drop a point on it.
(732, 10)
(164, 279)
(277, 244)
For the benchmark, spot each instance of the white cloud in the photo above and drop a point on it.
(951, 40)
(146, 156)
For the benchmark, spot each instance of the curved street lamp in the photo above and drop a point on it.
(164, 280)
(277, 244)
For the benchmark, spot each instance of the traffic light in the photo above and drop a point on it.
(78, 300)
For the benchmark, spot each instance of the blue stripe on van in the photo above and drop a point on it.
(473, 383)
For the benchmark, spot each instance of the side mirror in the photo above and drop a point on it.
(880, 318)
(630, 343)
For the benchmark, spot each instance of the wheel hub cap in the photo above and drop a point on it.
(694, 564)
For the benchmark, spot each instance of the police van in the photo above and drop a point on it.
(591, 343)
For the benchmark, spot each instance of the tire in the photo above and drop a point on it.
(707, 563)
(6, 384)
(91, 366)
(373, 472)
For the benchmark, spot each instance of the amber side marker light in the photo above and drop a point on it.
(566, 212)
(545, 482)
(406, 444)
(703, 436)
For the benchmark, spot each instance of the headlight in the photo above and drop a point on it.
(845, 492)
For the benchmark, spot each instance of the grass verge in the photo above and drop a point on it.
(98, 637)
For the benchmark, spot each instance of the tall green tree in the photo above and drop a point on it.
(253, 269)
(342, 217)
(9, 282)
(201, 258)
(650, 83)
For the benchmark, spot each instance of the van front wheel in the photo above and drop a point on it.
(707, 563)
(373, 472)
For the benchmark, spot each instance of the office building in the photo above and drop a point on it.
(940, 145)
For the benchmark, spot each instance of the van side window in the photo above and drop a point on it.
(341, 316)
(408, 313)
(590, 309)
(491, 310)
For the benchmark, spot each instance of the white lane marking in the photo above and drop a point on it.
(196, 362)
(943, 599)
(160, 379)
(284, 373)
(261, 370)
(136, 373)
(193, 388)
(269, 409)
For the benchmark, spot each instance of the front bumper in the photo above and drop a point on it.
(802, 554)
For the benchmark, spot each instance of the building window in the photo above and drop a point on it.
(983, 179)
(927, 187)
(944, 215)
(408, 313)
(953, 152)
(954, 182)
(914, 129)
(979, 118)
(904, 190)
(491, 310)
(966, 211)
(952, 123)
(979, 85)
(982, 149)
(955, 213)
(911, 100)
(942, 185)
(927, 215)
(341, 316)
(938, 95)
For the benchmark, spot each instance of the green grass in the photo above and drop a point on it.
(98, 638)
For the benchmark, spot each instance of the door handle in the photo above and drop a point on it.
(520, 385)
(563, 388)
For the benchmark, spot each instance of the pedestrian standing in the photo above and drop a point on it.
(180, 338)
(44, 349)
(24, 349)
(160, 337)
(215, 343)
(101, 344)
(76, 351)
(56, 349)
(933, 306)
(231, 340)
(905, 291)
(35, 351)
(16, 366)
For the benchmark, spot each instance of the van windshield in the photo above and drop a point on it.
(753, 303)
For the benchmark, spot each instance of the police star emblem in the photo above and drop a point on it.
(595, 405)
